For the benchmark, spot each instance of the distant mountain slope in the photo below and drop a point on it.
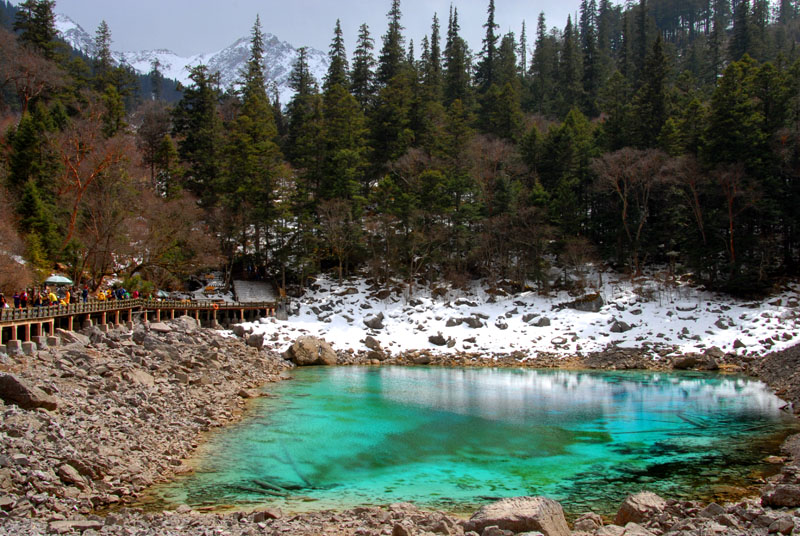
(279, 57)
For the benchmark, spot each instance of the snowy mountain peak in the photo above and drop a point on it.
(279, 57)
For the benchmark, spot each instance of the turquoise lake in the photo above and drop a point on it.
(454, 439)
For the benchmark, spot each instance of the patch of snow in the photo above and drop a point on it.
(672, 320)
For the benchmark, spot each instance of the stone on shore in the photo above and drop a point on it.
(14, 390)
(311, 351)
(639, 507)
(521, 514)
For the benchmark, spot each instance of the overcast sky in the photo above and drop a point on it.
(197, 26)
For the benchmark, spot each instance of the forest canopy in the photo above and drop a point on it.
(651, 134)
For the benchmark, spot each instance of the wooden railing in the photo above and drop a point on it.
(97, 306)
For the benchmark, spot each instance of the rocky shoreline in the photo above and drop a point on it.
(88, 424)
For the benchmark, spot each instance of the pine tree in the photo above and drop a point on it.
(156, 79)
(304, 143)
(588, 37)
(362, 76)
(570, 70)
(432, 80)
(253, 159)
(741, 40)
(543, 70)
(103, 63)
(456, 63)
(337, 69)
(198, 128)
(485, 70)
(391, 57)
(651, 99)
(35, 23)
(523, 52)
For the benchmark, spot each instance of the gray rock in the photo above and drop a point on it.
(438, 339)
(590, 303)
(634, 529)
(453, 322)
(712, 510)
(474, 322)
(239, 330)
(639, 507)
(610, 530)
(72, 337)
(783, 525)
(782, 495)
(255, 340)
(695, 361)
(521, 514)
(14, 348)
(18, 391)
(528, 317)
(185, 324)
(374, 322)
(160, 327)
(620, 327)
(721, 324)
(29, 348)
(496, 531)
(372, 343)
(588, 522)
(140, 377)
(80, 525)
(308, 350)
(543, 322)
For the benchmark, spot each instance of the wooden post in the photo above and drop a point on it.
(70, 320)
(27, 332)
(158, 315)
(172, 314)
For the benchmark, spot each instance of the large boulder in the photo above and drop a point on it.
(309, 350)
(695, 361)
(14, 390)
(782, 496)
(590, 303)
(521, 514)
(639, 507)
(72, 337)
(256, 340)
(374, 322)
(185, 324)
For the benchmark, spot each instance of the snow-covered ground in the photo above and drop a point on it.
(665, 318)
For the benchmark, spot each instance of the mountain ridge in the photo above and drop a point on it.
(279, 58)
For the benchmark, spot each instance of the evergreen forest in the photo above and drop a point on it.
(652, 134)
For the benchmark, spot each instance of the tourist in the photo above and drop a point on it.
(101, 295)
(3, 302)
(85, 293)
(52, 298)
(23, 299)
(16, 300)
(67, 296)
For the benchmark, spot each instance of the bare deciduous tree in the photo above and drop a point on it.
(631, 174)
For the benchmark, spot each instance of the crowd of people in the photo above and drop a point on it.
(62, 295)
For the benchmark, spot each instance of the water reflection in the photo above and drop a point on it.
(453, 438)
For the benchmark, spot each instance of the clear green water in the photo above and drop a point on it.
(453, 439)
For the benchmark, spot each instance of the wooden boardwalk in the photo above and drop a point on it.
(23, 324)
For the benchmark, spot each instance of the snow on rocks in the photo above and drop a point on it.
(662, 320)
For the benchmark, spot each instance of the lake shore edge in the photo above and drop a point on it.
(159, 387)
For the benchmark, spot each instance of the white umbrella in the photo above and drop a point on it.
(58, 280)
